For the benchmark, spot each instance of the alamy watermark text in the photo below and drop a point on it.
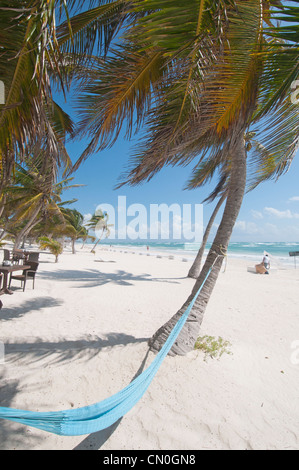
(173, 222)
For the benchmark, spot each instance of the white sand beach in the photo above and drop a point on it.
(81, 335)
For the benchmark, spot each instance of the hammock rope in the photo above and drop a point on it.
(94, 418)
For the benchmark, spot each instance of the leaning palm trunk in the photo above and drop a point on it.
(195, 269)
(84, 241)
(235, 194)
(32, 222)
(96, 244)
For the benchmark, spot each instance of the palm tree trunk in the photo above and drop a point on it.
(73, 246)
(236, 189)
(96, 244)
(30, 224)
(196, 266)
(84, 241)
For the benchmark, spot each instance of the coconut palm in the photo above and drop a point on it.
(35, 195)
(75, 219)
(54, 246)
(29, 65)
(97, 223)
(54, 225)
(198, 78)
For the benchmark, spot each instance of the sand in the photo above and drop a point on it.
(82, 335)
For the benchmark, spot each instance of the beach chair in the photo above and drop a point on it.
(27, 274)
(33, 256)
(18, 256)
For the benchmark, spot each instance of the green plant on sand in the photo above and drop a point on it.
(212, 347)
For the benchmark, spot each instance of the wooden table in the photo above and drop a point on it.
(6, 270)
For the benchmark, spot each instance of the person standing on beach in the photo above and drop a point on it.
(266, 261)
(264, 266)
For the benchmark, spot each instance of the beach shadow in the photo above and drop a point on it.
(95, 278)
(104, 261)
(64, 351)
(7, 314)
(96, 440)
(18, 438)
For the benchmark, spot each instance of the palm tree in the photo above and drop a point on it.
(32, 123)
(198, 87)
(30, 64)
(54, 246)
(99, 221)
(55, 225)
(34, 196)
(75, 219)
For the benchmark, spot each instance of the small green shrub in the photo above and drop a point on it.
(212, 347)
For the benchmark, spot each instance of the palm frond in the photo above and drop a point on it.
(126, 98)
(29, 54)
(190, 97)
(93, 28)
(275, 144)
(222, 93)
(282, 58)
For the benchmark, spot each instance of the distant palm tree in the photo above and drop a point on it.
(33, 195)
(55, 247)
(99, 221)
(75, 219)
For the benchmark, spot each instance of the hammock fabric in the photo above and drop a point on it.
(94, 418)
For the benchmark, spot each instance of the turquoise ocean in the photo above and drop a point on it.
(279, 251)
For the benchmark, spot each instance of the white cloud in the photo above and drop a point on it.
(281, 214)
(287, 233)
(272, 230)
(295, 198)
(248, 227)
(240, 225)
(257, 215)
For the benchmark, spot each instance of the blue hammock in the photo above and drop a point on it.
(94, 418)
